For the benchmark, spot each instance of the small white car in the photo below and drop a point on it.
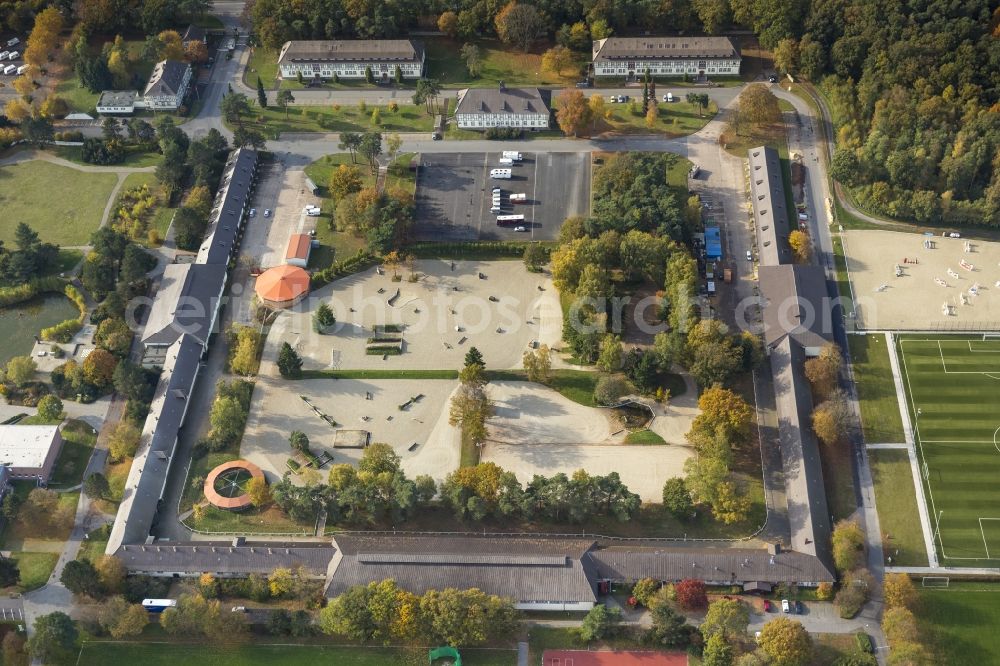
(954, 234)
(267, 212)
(520, 228)
(749, 255)
(785, 606)
(253, 211)
(497, 190)
(239, 609)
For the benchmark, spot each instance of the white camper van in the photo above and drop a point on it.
(500, 174)
(9, 69)
(512, 155)
(506, 161)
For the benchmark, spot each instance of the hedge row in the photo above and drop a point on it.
(65, 330)
(480, 249)
(355, 264)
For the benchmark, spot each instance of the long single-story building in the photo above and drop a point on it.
(29, 451)
(187, 302)
(348, 59)
(538, 574)
(225, 559)
(630, 57)
(770, 208)
(483, 108)
(229, 211)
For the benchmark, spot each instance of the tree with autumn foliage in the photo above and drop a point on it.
(786, 642)
(573, 113)
(691, 594)
(519, 24)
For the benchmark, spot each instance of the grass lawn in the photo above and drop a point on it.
(902, 536)
(577, 385)
(92, 548)
(252, 521)
(953, 382)
(876, 391)
(200, 467)
(80, 99)
(263, 63)
(154, 654)
(78, 443)
(67, 261)
(828, 649)
(843, 281)
(67, 219)
(500, 62)
(470, 453)
(136, 159)
(35, 568)
(643, 437)
(675, 119)
(960, 624)
(272, 120)
(838, 479)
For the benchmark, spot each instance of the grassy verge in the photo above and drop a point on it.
(78, 444)
(470, 451)
(577, 385)
(270, 520)
(642, 437)
(877, 398)
(93, 546)
(830, 649)
(499, 62)
(263, 63)
(408, 118)
(165, 654)
(66, 219)
(843, 277)
(838, 479)
(134, 159)
(379, 374)
(35, 568)
(674, 119)
(898, 515)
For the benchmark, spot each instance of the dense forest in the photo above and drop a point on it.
(912, 84)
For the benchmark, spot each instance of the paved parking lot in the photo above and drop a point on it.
(454, 195)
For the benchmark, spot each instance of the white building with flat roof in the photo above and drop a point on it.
(30, 451)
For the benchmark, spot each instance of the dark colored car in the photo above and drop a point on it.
(799, 608)
(583, 84)
(772, 79)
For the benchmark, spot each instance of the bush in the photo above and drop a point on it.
(63, 331)
(609, 389)
(503, 133)
(864, 642)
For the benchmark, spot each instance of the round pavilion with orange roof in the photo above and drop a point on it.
(282, 286)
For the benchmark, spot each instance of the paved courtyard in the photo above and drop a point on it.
(449, 309)
(917, 299)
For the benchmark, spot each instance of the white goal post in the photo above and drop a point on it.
(935, 581)
(990, 336)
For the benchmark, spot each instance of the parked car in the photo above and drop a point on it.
(749, 255)
(239, 609)
(799, 608)
(772, 79)
(767, 606)
(669, 97)
(253, 211)
(785, 606)
(583, 84)
(520, 228)
(612, 99)
(267, 212)
(622, 99)
(436, 136)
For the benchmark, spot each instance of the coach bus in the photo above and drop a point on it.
(509, 219)
(158, 605)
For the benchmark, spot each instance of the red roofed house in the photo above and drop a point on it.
(299, 246)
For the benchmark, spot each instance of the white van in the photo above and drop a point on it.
(500, 174)
(9, 69)
(22, 69)
(506, 161)
(13, 42)
(4, 54)
(512, 154)
(13, 55)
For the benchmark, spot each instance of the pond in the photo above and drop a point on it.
(19, 324)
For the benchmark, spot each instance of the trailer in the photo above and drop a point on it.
(727, 275)
(9, 69)
(500, 174)
(519, 198)
(13, 42)
(14, 55)
(503, 220)
(22, 69)
(158, 605)
(506, 161)
(511, 155)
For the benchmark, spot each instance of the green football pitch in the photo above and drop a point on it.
(954, 401)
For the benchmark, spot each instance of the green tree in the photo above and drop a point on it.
(244, 354)
(369, 76)
(111, 573)
(80, 577)
(124, 441)
(519, 24)
(669, 628)
(474, 357)
(848, 540)
(227, 418)
(50, 408)
(283, 99)
(20, 370)
(10, 574)
(473, 59)
(122, 619)
(713, 354)
(538, 364)
(610, 357)
(718, 651)
(54, 639)
(426, 93)
(726, 617)
(600, 623)
(234, 106)
(323, 318)
(379, 458)
(786, 56)
(261, 94)
(96, 486)
(786, 642)
(299, 441)
(289, 362)
(610, 389)
(535, 257)
(677, 498)
(645, 589)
